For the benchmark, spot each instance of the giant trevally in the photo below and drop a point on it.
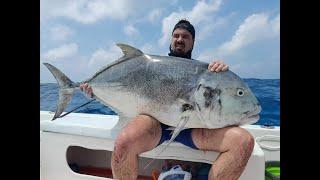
(179, 92)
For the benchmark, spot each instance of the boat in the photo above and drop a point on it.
(79, 146)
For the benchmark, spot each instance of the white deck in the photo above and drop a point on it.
(95, 132)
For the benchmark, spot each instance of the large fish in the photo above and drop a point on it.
(179, 92)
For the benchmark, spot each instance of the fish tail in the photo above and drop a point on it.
(66, 89)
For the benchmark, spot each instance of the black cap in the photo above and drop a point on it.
(184, 24)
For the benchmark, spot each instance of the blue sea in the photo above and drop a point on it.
(266, 90)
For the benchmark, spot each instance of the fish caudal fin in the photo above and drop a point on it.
(66, 89)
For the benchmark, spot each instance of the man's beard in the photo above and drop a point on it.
(178, 54)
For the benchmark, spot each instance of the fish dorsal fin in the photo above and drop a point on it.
(129, 50)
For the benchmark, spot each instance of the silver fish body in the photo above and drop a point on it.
(163, 86)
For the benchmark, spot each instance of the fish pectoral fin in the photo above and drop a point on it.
(181, 126)
(170, 128)
(176, 130)
(173, 128)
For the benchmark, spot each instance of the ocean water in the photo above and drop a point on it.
(266, 90)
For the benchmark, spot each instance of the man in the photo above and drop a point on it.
(144, 133)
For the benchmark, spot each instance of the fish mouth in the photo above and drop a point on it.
(252, 116)
(249, 119)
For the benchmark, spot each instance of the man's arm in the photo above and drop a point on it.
(218, 66)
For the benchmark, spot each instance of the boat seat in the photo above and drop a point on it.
(96, 132)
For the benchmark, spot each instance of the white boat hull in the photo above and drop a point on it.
(88, 140)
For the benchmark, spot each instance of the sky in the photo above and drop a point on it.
(79, 36)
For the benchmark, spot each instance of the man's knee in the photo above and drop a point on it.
(121, 147)
(141, 129)
(241, 138)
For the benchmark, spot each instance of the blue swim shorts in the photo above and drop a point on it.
(184, 136)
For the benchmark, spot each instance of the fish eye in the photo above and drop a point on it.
(240, 92)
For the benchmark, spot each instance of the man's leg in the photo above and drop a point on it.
(235, 145)
(141, 134)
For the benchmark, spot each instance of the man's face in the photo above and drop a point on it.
(181, 41)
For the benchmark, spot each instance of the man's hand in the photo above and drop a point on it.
(217, 66)
(87, 89)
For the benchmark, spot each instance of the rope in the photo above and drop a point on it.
(268, 138)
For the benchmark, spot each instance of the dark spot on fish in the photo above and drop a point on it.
(207, 103)
(210, 95)
(186, 107)
(220, 107)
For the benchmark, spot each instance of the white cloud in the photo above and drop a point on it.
(60, 32)
(154, 15)
(254, 28)
(199, 15)
(75, 68)
(102, 57)
(130, 30)
(86, 11)
(174, 2)
(147, 48)
(201, 10)
(207, 29)
(62, 52)
(275, 23)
